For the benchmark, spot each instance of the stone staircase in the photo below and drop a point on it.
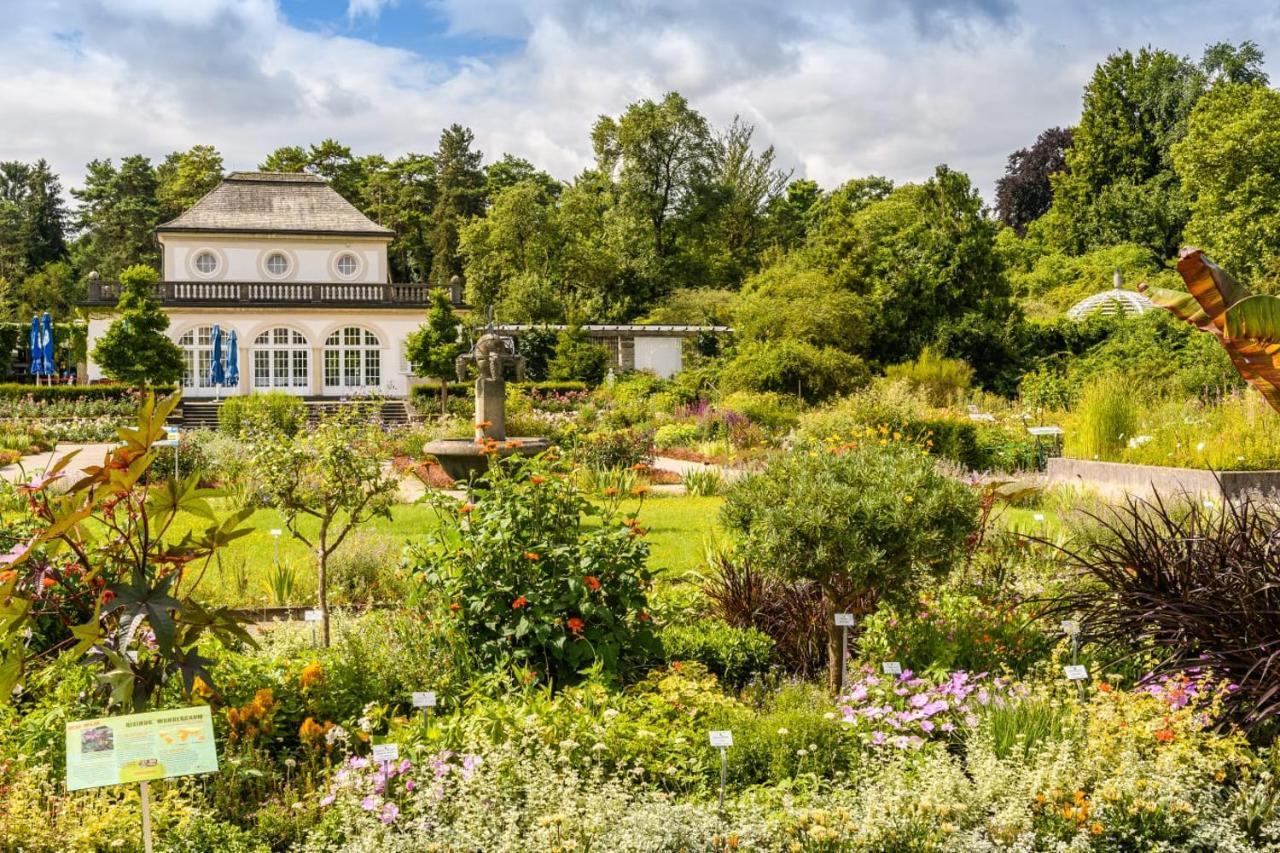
(203, 414)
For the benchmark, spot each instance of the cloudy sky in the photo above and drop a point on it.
(840, 88)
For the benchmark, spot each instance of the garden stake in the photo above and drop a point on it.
(724, 772)
(146, 815)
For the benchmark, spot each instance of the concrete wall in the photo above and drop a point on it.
(1116, 479)
(391, 326)
(244, 258)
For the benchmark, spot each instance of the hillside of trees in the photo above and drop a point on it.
(680, 221)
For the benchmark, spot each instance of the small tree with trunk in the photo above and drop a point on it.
(134, 349)
(868, 521)
(433, 346)
(326, 483)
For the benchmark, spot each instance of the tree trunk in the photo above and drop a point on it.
(323, 584)
(444, 397)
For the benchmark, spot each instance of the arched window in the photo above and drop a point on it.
(352, 359)
(281, 360)
(197, 352)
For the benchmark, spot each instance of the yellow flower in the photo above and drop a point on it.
(908, 499)
(311, 673)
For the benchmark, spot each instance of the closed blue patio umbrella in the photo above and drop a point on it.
(216, 376)
(37, 352)
(233, 360)
(50, 368)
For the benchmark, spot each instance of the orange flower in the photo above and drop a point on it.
(644, 617)
(1165, 735)
(576, 625)
(5, 577)
(521, 601)
(532, 556)
(483, 424)
(311, 673)
(47, 582)
(592, 582)
(466, 508)
(1103, 687)
(637, 491)
(537, 481)
(455, 607)
(610, 492)
(639, 467)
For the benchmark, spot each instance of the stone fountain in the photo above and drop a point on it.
(462, 459)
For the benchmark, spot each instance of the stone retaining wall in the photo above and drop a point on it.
(1117, 479)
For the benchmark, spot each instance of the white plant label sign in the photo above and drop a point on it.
(722, 739)
(844, 620)
(424, 699)
(313, 616)
(386, 751)
(891, 667)
(1077, 672)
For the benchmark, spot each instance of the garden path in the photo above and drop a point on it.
(684, 466)
(33, 464)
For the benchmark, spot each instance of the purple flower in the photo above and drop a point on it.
(369, 803)
(926, 726)
(409, 785)
(389, 813)
(327, 800)
(878, 738)
(947, 727)
(405, 764)
(858, 694)
(919, 700)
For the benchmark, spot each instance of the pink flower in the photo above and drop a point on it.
(327, 801)
(369, 803)
(389, 813)
(926, 726)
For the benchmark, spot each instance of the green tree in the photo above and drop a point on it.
(134, 349)
(32, 218)
(511, 170)
(51, 288)
(401, 197)
(118, 214)
(433, 346)
(578, 358)
(787, 216)
(459, 197)
(185, 177)
(329, 159)
(517, 239)
(326, 483)
(869, 525)
(1229, 163)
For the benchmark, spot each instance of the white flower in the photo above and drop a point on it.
(784, 731)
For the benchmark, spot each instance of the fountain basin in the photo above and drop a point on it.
(463, 458)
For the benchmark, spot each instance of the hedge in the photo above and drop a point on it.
(110, 391)
(421, 394)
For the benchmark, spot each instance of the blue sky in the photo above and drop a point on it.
(841, 89)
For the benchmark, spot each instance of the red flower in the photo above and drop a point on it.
(576, 625)
(108, 596)
(519, 602)
(644, 617)
(592, 582)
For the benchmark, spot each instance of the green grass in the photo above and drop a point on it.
(679, 528)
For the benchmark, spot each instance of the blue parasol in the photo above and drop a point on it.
(233, 359)
(216, 376)
(37, 353)
(50, 369)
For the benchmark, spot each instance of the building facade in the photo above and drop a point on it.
(300, 275)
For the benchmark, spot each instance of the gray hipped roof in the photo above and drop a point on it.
(277, 202)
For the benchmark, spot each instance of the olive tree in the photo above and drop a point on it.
(869, 522)
(326, 483)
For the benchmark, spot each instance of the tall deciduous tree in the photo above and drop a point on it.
(134, 349)
(326, 483)
(1229, 163)
(459, 197)
(516, 240)
(185, 177)
(1024, 194)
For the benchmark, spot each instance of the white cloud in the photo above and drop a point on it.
(842, 89)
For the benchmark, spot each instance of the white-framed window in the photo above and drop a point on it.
(206, 263)
(197, 354)
(352, 359)
(277, 264)
(347, 265)
(281, 361)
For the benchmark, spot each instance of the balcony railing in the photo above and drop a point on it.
(276, 294)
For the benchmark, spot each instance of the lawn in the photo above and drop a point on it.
(679, 529)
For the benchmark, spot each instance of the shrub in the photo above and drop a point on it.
(778, 412)
(526, 583)
(734, 655)
(363, 570)
(942, 381)
(273, 413)
(1108, 418)
(704, 482)
(191, 458)
(868, 522)
(676, 435)
(578, 358)
(621, 448)
(105, 391)
(794, 367)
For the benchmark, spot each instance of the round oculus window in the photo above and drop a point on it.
(347, 265)
(277, 264)
(206, 263)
